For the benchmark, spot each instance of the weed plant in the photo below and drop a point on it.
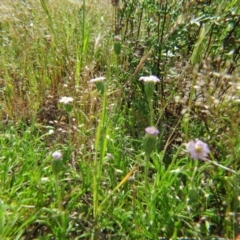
(119, 119)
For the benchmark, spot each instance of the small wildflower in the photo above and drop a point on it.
(98, 79)
(152, 131)
(51, 131)
(117, 38)
(99, 83)
(57, 162)
(150, 139)
(149, 85)
(150, 78)
(198, 149)
(66, 100)
(57, 155)
(131, 179)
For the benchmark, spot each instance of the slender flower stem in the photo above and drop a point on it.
(221, 166)
(147, 157)
(60, 208)
(151, 112)
(58, 194)
(100, 148)
(149, 145)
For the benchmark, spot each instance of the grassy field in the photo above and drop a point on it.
(119, 119)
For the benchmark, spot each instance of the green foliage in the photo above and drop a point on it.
(106, 188)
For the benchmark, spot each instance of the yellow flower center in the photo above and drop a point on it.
(198, 149)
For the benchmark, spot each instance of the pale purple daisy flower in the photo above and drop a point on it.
(66, 100)
(149, 85)
(150, 140)
(117, 45)
(117, 38)
(198, 149)
(57, 163)
(150, 78)
(99, 82)
(152, 131)
(98, 79)
(57, 155)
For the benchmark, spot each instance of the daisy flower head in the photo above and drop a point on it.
(198, 149)
(149, 85)
(57, 163)
(66, 100)
(117, 38)
(152, 131)
(150, 78)
(99, 84)
(57, 155)
(98, 79)
(150, 140)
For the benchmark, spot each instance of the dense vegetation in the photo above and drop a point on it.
(90, 152)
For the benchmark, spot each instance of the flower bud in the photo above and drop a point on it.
(99, 84)
(149, 85)
(150, 139)
(57, 163)
(117, 45)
